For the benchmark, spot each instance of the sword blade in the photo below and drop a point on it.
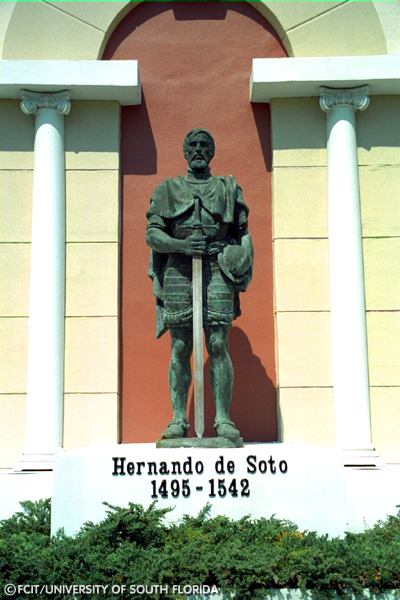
(198, 366)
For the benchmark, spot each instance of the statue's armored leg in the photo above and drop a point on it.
(179, 380)
(221, 378)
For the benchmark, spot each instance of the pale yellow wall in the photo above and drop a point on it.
(51, 29)
(90, 419)
(326, 28)
(59, 30)
(306, 414)
(379, 158)
(16, 162)
(91, 333)
(300, 249)
(12, 428)
(385, 412)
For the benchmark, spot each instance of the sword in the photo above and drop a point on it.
(197, 293)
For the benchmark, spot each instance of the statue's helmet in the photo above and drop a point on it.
(235, 262)
(192, 133)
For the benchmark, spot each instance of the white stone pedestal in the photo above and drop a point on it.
(299, 482)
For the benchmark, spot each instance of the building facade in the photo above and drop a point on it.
(315, 145)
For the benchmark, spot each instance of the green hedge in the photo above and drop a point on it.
(134, 545)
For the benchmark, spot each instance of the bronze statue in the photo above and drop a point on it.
(199, 217)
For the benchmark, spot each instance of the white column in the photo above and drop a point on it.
(347, 290)
(45, 386)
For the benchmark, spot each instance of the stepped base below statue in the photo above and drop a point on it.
(194, 442)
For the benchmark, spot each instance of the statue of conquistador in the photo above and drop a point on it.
(227, 256)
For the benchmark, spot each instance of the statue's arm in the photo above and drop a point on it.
(162, 242)
(241, 222)
(247, 243)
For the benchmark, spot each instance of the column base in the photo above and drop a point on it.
(38, 461)
(363, 457)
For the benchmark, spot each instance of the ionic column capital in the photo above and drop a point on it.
(31, 102)
(355, 98)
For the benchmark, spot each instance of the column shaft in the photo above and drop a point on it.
(45, 388)
(347, 288)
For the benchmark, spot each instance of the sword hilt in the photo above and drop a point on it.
(197, 226)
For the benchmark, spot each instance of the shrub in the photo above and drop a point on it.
(134, 545)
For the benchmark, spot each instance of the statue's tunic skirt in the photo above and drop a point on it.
(218, 293)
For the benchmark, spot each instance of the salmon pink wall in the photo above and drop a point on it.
(195, 61)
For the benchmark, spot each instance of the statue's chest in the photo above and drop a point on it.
(211, 198)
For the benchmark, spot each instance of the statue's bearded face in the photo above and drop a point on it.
(199, 152)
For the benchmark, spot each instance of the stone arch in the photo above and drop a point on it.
(49, 30)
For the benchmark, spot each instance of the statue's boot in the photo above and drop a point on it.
(227, 429)
(177, 428)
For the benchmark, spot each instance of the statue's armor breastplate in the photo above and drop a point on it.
(212, 225)
(182, 226)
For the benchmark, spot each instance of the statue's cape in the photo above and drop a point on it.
(175, 196)
(172, 198)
